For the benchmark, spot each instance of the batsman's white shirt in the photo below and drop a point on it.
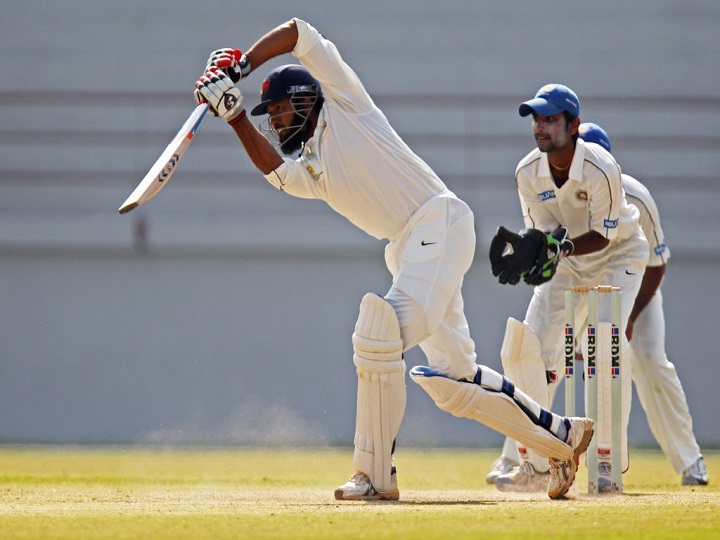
(360, 166)
(355, 161)
(656, 380)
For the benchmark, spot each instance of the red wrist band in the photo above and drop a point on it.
(238, 117)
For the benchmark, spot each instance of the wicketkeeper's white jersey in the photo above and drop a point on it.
(636, 193)
(355, 161)
(591, 199)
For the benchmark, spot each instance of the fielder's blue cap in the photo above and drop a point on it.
(550, 100)
(590, 132)
(284, 82)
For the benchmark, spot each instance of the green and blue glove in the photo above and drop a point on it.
(557, 246)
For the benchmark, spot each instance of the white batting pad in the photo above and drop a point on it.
(492, 408)
(522, 362)
(603, 424)
(523, 365)
(382, 395)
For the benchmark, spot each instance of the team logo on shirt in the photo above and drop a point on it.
(312, 171)
(547, 195)
(660, 249)
(581, 195)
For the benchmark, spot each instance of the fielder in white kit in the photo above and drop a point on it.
(351, 158)
(656, 380)
(573, 191)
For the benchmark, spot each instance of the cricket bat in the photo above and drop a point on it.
(164, 167)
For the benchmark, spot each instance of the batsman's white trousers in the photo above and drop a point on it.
(428, 260)
(659, 388)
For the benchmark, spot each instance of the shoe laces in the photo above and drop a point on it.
(558, 468)
(359, 477)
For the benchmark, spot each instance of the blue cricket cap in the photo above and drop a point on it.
(550, 100)
(590, 132)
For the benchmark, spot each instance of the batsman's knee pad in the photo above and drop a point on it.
(494, 401)
(381, 398)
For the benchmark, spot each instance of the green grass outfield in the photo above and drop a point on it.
(108, 493)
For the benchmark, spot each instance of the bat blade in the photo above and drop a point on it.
(165, 166)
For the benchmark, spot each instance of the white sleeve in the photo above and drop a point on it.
(292, 177)
(605, 202)
(659, 252)
(637, 194)
(322, 59)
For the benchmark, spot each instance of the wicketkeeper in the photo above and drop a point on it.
(580, 231)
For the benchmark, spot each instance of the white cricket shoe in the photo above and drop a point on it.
(360, 488)
(523, 478)
(696, 474)
(562, 473)
(501, 465)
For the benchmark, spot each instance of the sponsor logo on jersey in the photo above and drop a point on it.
(581, 195)
(660, 249)
(610, 223)
(547, 195)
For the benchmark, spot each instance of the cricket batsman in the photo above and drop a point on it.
(337, 146)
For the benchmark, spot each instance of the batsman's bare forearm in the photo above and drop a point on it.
(281, 40)
(259, 149)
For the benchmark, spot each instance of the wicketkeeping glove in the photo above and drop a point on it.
(557, 246)
(513, 255)
(224, 99)
(232, 61)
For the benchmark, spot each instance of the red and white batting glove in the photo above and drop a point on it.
(224, 98)
(232, 61)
